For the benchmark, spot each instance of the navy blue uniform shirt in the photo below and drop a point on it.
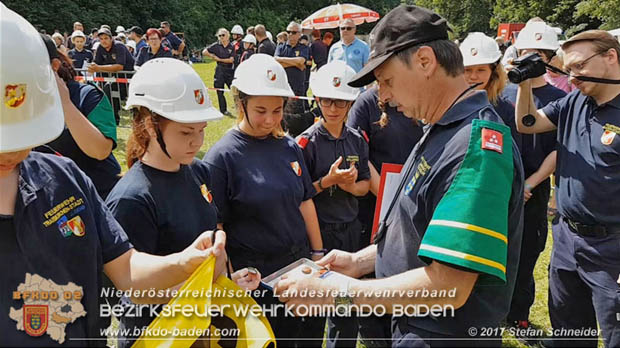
(588, 165)
(258, 186)
(434, 170)
(62, 232)
(146, 54)
(390, 144)
(321, 150)
(162, 212)
(267, 47)
(104, 173)
(319, 52)
(536, 147)
(296, 77)
(173, 41)
(79, 57)
(222, 52)
(118, 54)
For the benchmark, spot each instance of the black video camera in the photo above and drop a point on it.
(529, 66)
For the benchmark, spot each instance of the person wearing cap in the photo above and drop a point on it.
(161, 154)
(265, 45)
(78, 53)
(222, 51)
(263, 191)
(292, 55)
(455, 220)
(57, 234)
(171, 40)
(539, 157)
(349, 49)
(337, 160)
(112, 55)
(137, 35)
(249, 44)
(154, 48)
(77, 26)
(131, 46)
(585, 264)
(237, 41)
(120, 30)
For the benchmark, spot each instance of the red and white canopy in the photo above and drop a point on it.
(331, 16)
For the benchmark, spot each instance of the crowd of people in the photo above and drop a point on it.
(470, 212)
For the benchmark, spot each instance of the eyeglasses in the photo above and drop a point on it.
(578, 67)
(292, 32)
(221, 35)
(346, 28)
(325, 102)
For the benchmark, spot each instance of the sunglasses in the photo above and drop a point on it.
(291, 32)
(325, 102)
(221, 35)
(346, 28)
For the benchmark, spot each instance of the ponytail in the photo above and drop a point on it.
(140, 138)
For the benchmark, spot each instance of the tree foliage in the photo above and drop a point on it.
(199, 19)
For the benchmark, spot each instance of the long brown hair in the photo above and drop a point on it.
(496, 83)
(66, 71)
(139, 139)
(241, 101)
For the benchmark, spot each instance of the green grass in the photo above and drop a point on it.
(539, 315)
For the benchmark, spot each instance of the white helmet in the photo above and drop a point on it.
(250, 39)
(120, 29)
(77, 33)
(172, 89)
(262, 75)
(478, 49)
(237, 29)
(31, 112)
(131, 43)
(537, 35)
(332, 81)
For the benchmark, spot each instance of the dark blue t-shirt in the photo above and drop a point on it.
(61, 233)
(146, 54)
(105, 173)
(222, 52)
(79, 57)
(319, 52)
(162, 213)
(173, 41)
(258, 186)
(321, 149)
(390, 144)
(296, 77)
(118, 54)
(267, 47)
(588, 165)
(535, 147)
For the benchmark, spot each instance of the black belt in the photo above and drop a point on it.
(591, 230)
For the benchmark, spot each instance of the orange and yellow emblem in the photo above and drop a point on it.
(35, 319)
(206, 193)
(14, 95)
(296, 168)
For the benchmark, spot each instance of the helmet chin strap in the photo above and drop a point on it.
(583, 78)
(160, 137)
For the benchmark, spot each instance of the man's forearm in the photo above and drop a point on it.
(413, 287)
(110, 68)
(291, 62)
(365, 260)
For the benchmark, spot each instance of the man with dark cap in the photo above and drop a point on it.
(447, 250)
(137, 34)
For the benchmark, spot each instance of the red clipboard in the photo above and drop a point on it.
(387, 169)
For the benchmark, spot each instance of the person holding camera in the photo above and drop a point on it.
(536, 45)
(585, 262)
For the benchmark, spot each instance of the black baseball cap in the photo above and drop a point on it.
(105, 31)
(136, 29)
(401, 28)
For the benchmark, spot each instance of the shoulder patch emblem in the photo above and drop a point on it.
(492, 140)
(302, 142)
(206, 193)
(35, 319)
(608, 137)
(296, 168)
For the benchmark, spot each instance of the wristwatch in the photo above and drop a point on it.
(343, 301)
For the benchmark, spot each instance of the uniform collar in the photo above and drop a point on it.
(614, 102)
(323, 131)
(32, 178)
(351, 44)
(464, 108)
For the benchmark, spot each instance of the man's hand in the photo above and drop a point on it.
(201, 248)
(246, 279)
(288, 289)
(92, 68)
(341, 262)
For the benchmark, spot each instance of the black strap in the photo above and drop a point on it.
(383, 223)
(583, 78)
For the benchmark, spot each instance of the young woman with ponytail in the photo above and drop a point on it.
(164, 201)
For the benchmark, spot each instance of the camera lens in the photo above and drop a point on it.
(515, 76)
